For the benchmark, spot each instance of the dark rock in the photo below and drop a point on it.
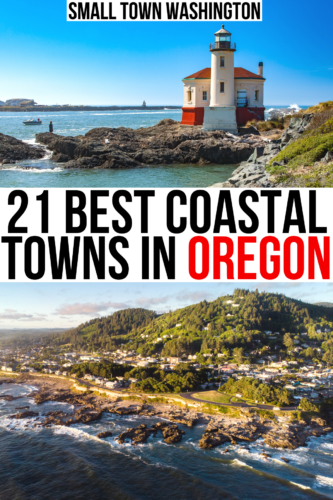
(127, 410)
(12, 149)
(8, 397)
(248, 130)
(119, 161)
(140, 434)
(209, 441)
(285, 460)
(24, 414)
(171, 433)
(234, 434)
(288, 440)
(165, 143)
(65, 145)
(137, 435)
(60, 158)
(103, 435)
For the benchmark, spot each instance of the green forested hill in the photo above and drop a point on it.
(106, 331)
(228, 321)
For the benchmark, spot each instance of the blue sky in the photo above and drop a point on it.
(46, 58)
(58, 305)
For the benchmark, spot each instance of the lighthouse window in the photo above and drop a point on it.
(204, 95)
(189, 95)
(221, 87)
(222, 61)
(256, 95)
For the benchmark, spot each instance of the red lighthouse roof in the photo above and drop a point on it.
(205, 74)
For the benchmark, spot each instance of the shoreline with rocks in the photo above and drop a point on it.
(166, 143)
(276, 430)
(252, 173)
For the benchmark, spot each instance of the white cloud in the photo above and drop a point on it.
(88, 308)
(152, 301)
(14, 315)
(196, 296)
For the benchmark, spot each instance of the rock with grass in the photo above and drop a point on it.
(298, 145)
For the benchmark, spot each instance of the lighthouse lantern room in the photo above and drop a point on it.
(223, 97)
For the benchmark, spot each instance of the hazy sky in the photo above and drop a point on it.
(64, 305)
(48, 59)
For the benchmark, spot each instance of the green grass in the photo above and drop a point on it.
(214, 396)
(266, 414)
(264, 126)
(305, 151)
(225, 410)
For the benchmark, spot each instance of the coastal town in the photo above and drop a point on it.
(248, 366)
(138, 362)
(302, 377)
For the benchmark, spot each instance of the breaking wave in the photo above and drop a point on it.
(301, 486)
(34, 170)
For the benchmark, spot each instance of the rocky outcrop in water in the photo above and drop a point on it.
(283, 434)
(252, 173)
(244, 431)
(138, 435)
(171, 433)
(165, 143)
(24, 414)
(9, 397)
(12, 150)
(104, 435)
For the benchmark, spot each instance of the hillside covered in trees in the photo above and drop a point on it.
(237, 321)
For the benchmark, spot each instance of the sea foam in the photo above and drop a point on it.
(301, 486)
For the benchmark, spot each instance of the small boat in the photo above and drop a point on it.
(32, 122)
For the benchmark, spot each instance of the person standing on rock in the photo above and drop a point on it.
(51, 127)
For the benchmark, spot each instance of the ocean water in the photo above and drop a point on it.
(45, 173)
(65, 463)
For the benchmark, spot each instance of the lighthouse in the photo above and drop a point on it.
(223, 96)
(221, 113)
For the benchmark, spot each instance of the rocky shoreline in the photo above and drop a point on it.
(279, 431)
(252, 173)
(166, 143)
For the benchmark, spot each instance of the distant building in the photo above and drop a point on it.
(144, 105)
(20, 102)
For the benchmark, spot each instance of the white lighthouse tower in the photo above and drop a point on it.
(221, 112)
